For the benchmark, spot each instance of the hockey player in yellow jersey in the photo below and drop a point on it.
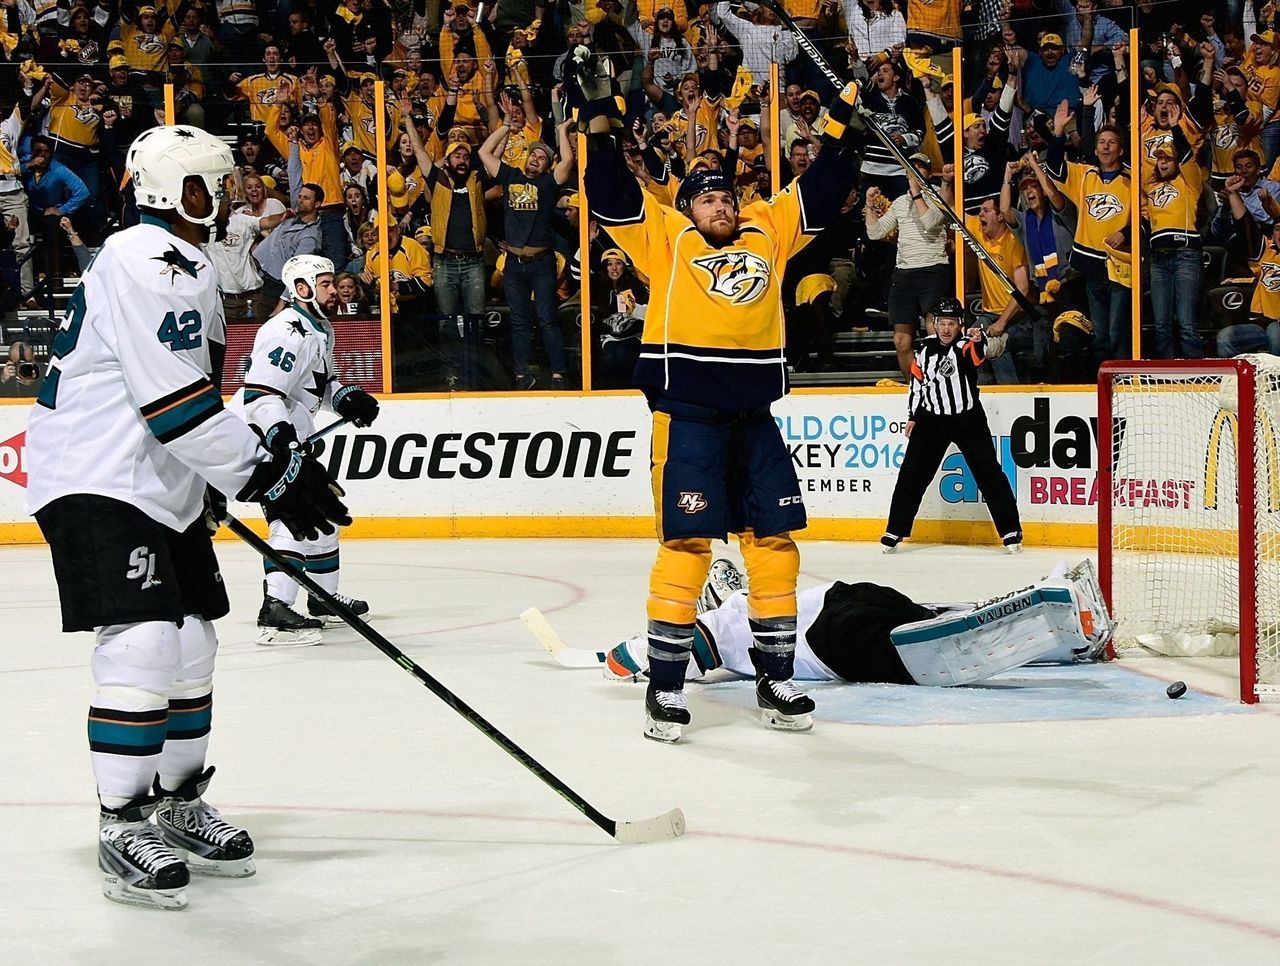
(711, 363)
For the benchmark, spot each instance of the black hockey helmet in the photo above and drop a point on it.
(699, 183)
(948, 308)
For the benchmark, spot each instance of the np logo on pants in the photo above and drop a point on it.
(691, 502)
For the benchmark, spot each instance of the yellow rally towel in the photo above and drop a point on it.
(741, 87)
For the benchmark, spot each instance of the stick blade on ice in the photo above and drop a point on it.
(660, 828)
(546, 635)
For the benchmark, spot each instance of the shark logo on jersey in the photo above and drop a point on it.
(142, 565)
(320, 380)
(1269, 276)
(739, 276)
(176, 263)
(1103, 205)
(1163, 196)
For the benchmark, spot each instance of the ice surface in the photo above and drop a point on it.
(1056, 816)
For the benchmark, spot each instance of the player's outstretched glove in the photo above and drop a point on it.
(297, 491)
(593, 73)
(353, 403)
(843, 121)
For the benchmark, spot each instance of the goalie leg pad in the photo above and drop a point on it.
(1008, 632)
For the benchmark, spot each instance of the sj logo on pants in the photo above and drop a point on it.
(691, 502)
(142, 564)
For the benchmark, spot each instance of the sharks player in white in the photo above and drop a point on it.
(291, 375)
(127, 436)
(866, 633)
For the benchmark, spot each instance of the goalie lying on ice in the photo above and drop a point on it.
(867, 634)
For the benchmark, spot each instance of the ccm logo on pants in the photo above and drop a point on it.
(791, 501)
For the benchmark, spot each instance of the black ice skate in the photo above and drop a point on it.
(188, 824)
(141, 868)
(319, 609)
(666, 714)
(783, 705)
(279, 625)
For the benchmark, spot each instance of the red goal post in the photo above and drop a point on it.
(1189, 510)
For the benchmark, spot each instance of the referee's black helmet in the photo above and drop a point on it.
(948, 308)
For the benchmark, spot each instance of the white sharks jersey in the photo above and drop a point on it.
(730, 629)
(291, 372)
(127, 409)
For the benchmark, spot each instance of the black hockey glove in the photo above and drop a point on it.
(215, 508)
(353, 403)
(281, 438)
(843, 124)
(297, 491)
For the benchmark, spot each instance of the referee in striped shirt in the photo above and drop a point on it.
(943, 408)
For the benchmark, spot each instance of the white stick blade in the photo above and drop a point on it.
(660, 828)
(566, 656)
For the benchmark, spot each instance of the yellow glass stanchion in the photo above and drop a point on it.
(384, 216)
(957, 122)
(1135, 197)
(170, 113)
(775, 117)
(584, 257)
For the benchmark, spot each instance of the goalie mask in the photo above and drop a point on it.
(306, 269)
(160, 161)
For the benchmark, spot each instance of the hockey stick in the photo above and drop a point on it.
(565, 655)
(322, 433)
(669, 825)
(957, 222)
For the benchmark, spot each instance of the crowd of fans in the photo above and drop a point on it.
(481, 172)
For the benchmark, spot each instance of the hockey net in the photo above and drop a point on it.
(1189, 510)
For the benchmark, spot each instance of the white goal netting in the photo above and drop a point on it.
(1183, 557)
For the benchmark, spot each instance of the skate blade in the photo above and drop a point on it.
(893, 549)
(668, 732)
(1013, 548)
(170, 900)
(274, 637)
(220, 869)
(786, 722)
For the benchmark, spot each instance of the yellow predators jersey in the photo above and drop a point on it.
(1154, 138)
(938, 18)
(320, 166)
(1229, 136)
(1266, 294)
(713, 335)
(707, 134)
(265, 94)
(1170, 207)
(1008, 253)
(71, 122)
(145, 51)
(408, 262)
(516, 152)
(364, 130)
(1264, 82)
(1103, 208)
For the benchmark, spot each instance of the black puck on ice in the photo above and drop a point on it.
(1176, 690)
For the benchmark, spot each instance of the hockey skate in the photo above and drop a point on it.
(723, 580)
(783, 706)
(889, 543)
(188, 824)
(620, 664)
(141, 868)
(666, 714)
(322, 612)
(279, 625)
(1013, 542)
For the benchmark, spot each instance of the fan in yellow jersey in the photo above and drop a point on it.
(1237, 121)
(145, 40)
(1100, 193)
(359, 103)
(1169, 203)
(318, 158)
(711, 362)
(73, 127)
(267, 92)
(999, 309)
(933, 23)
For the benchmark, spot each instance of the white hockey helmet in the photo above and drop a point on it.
(304, 268)
(162, 158)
